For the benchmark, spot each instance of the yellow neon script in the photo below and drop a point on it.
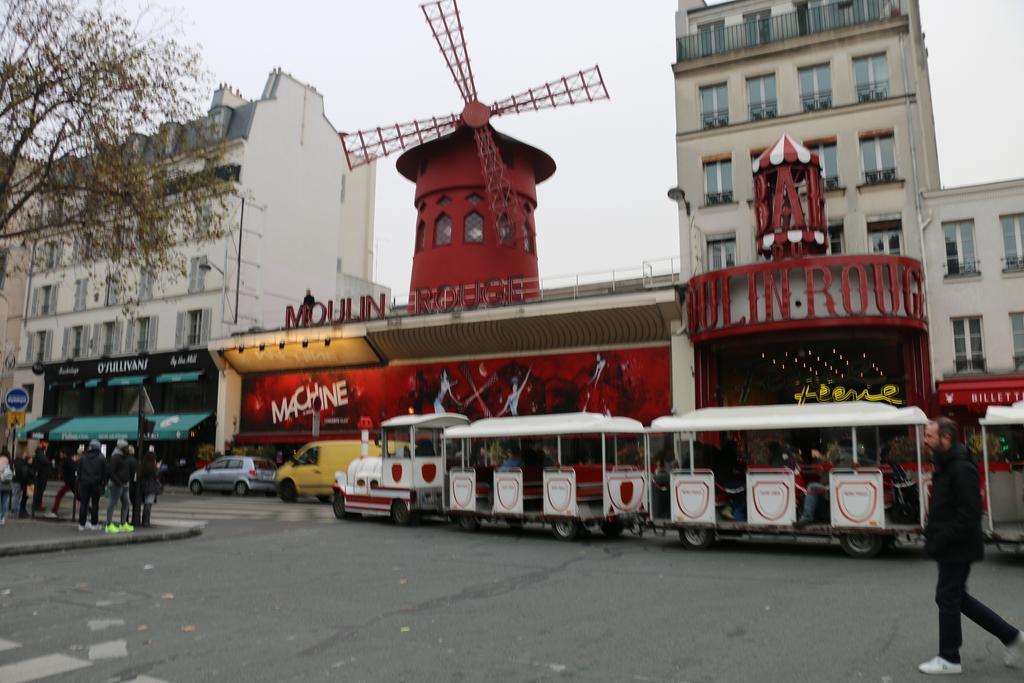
(827, 394)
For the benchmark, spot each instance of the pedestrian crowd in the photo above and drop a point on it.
(87, 474)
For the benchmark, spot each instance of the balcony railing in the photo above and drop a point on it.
(714, 119)
(1013, 263)
(962, 267)
(713, 198)
(1018, 362)
(805, 21)
(832, 184)
(878, 90)
(885, 175)
(765, 110)
(816, 101)
(973, 364)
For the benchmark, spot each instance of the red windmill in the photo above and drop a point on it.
(468, 249)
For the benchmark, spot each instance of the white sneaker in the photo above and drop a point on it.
(82, 527)
(89, 527)
(939, 666)
(52, 515)
(1014, 651)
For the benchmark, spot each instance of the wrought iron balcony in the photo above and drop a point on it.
(877, 90)
(832, 183)
(956, 267)
(816, 101)
(879, 177)
(805, 21)
(1013, 264)
(972, 364)
(714, 119)
(713, 198)
(765, 110)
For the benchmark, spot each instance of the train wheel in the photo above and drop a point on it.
(400, 514)
(468, 523)
(338, 504)
(566, 529)
(613, 529)
(862, 546)
(696, 539)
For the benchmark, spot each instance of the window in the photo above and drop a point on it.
(1017, 326)
(421, 235)
(51, 255)
(197, 274)
(194, 328)
(718, 182)
(81, 291)
(38, 347)
(46, 301)
(109, 339)
(473, 228)
(970, 357)
(712, 37)
(527, 237)
(721, 252)
(714, 106)
(111, 298)
(884, 237)
(761, 97)
(959, 239)
(1013, 242)
(835, 238)
(3, 268)
(143, 328)
(878, 155)
(145, 286)
(871, 76)
(474, 199)
(76, 347)
(829, 164)
(757, 27)
(815, 87)
(443, 230)
(504, 230)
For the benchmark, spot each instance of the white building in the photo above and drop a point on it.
(301, 220)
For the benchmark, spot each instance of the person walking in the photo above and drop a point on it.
(41, 475)
(22, 479)
(70, 474)
(133, 485)
(149, 485)
(6, 485)
(954, 540)
(119, 474)
(92, 477)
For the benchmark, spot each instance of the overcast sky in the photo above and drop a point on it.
(376, 63)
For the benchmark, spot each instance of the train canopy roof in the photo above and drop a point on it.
(546, 425)
(430, 421)
(1004, 415)
(790, 416)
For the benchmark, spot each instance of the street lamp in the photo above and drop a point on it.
(206, 267)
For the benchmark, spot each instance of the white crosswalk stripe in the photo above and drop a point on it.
(179, 509)
(37, 668)
(8, 645)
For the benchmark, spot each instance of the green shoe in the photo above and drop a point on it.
(112, 529)
(126, 527)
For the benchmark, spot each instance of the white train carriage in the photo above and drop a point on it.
(863, 483)
(1002, 439)
(409, 477)
(571, 471)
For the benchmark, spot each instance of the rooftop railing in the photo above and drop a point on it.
(805, 21)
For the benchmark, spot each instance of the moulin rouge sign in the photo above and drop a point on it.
(797, 291)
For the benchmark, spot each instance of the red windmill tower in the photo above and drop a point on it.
(475, 187)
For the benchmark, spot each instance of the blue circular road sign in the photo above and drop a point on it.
(16, 399)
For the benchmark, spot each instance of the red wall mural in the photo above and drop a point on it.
(633, 383)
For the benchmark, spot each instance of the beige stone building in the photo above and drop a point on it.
(13, 260)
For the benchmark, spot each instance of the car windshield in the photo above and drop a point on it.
(264, 465)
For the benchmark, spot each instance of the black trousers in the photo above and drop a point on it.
(37, 496)
(953, 600)
(89, 502)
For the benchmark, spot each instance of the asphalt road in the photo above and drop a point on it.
(260, 599)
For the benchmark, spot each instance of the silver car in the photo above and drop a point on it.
(238, 473)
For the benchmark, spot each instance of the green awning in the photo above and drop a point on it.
(40, 428)
(92, 383)
(169, 377)
(163, 427)
(126, 380)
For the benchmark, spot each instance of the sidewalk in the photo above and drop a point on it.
(24, 536)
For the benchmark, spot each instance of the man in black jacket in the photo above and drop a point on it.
(953, 538)
(119, 472)
(92, 478)
(41, 473)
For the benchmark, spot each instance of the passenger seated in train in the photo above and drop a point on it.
(661, 482)
(815, 492)
(730, 479)
(424, 448)
(512, 461)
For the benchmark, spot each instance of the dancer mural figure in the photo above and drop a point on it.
(595, 377)
(512, 402)
(445, 390)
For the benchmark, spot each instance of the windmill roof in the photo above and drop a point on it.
(408, 163)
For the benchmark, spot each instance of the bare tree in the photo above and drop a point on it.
(103, 141)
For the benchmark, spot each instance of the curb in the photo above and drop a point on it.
(97, 541)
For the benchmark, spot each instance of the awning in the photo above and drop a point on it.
(172, 377)
(980, 392)
(126, 380)
(162, 427)
(41, 428)
(92, 383)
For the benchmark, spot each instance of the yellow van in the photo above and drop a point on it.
(311, 471)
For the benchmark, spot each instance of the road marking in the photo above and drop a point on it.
(110, 650)
(104, 624)
(40, 667)
(147, 679)
(8, 645)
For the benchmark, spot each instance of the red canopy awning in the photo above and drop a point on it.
(785, 150)
(980, 392)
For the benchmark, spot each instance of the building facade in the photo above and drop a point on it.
(974, 249)
(299, 219)
(848, 80)
(13, 260)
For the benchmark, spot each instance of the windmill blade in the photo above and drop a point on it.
(365, 146)
(505, 207)
(446, 25)
(582, 86)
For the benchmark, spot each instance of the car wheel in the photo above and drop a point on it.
(696, 539)
(196, 487)
(468, 522)
(613, 529)
(862, 546)
(400, 514)
(566, 529)
(287, 491)
(241, 489)
(324, 499)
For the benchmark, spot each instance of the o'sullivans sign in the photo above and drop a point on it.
(875, 288)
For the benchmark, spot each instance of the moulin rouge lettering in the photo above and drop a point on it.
(333, 395)
(333, 313)
(468, 295)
